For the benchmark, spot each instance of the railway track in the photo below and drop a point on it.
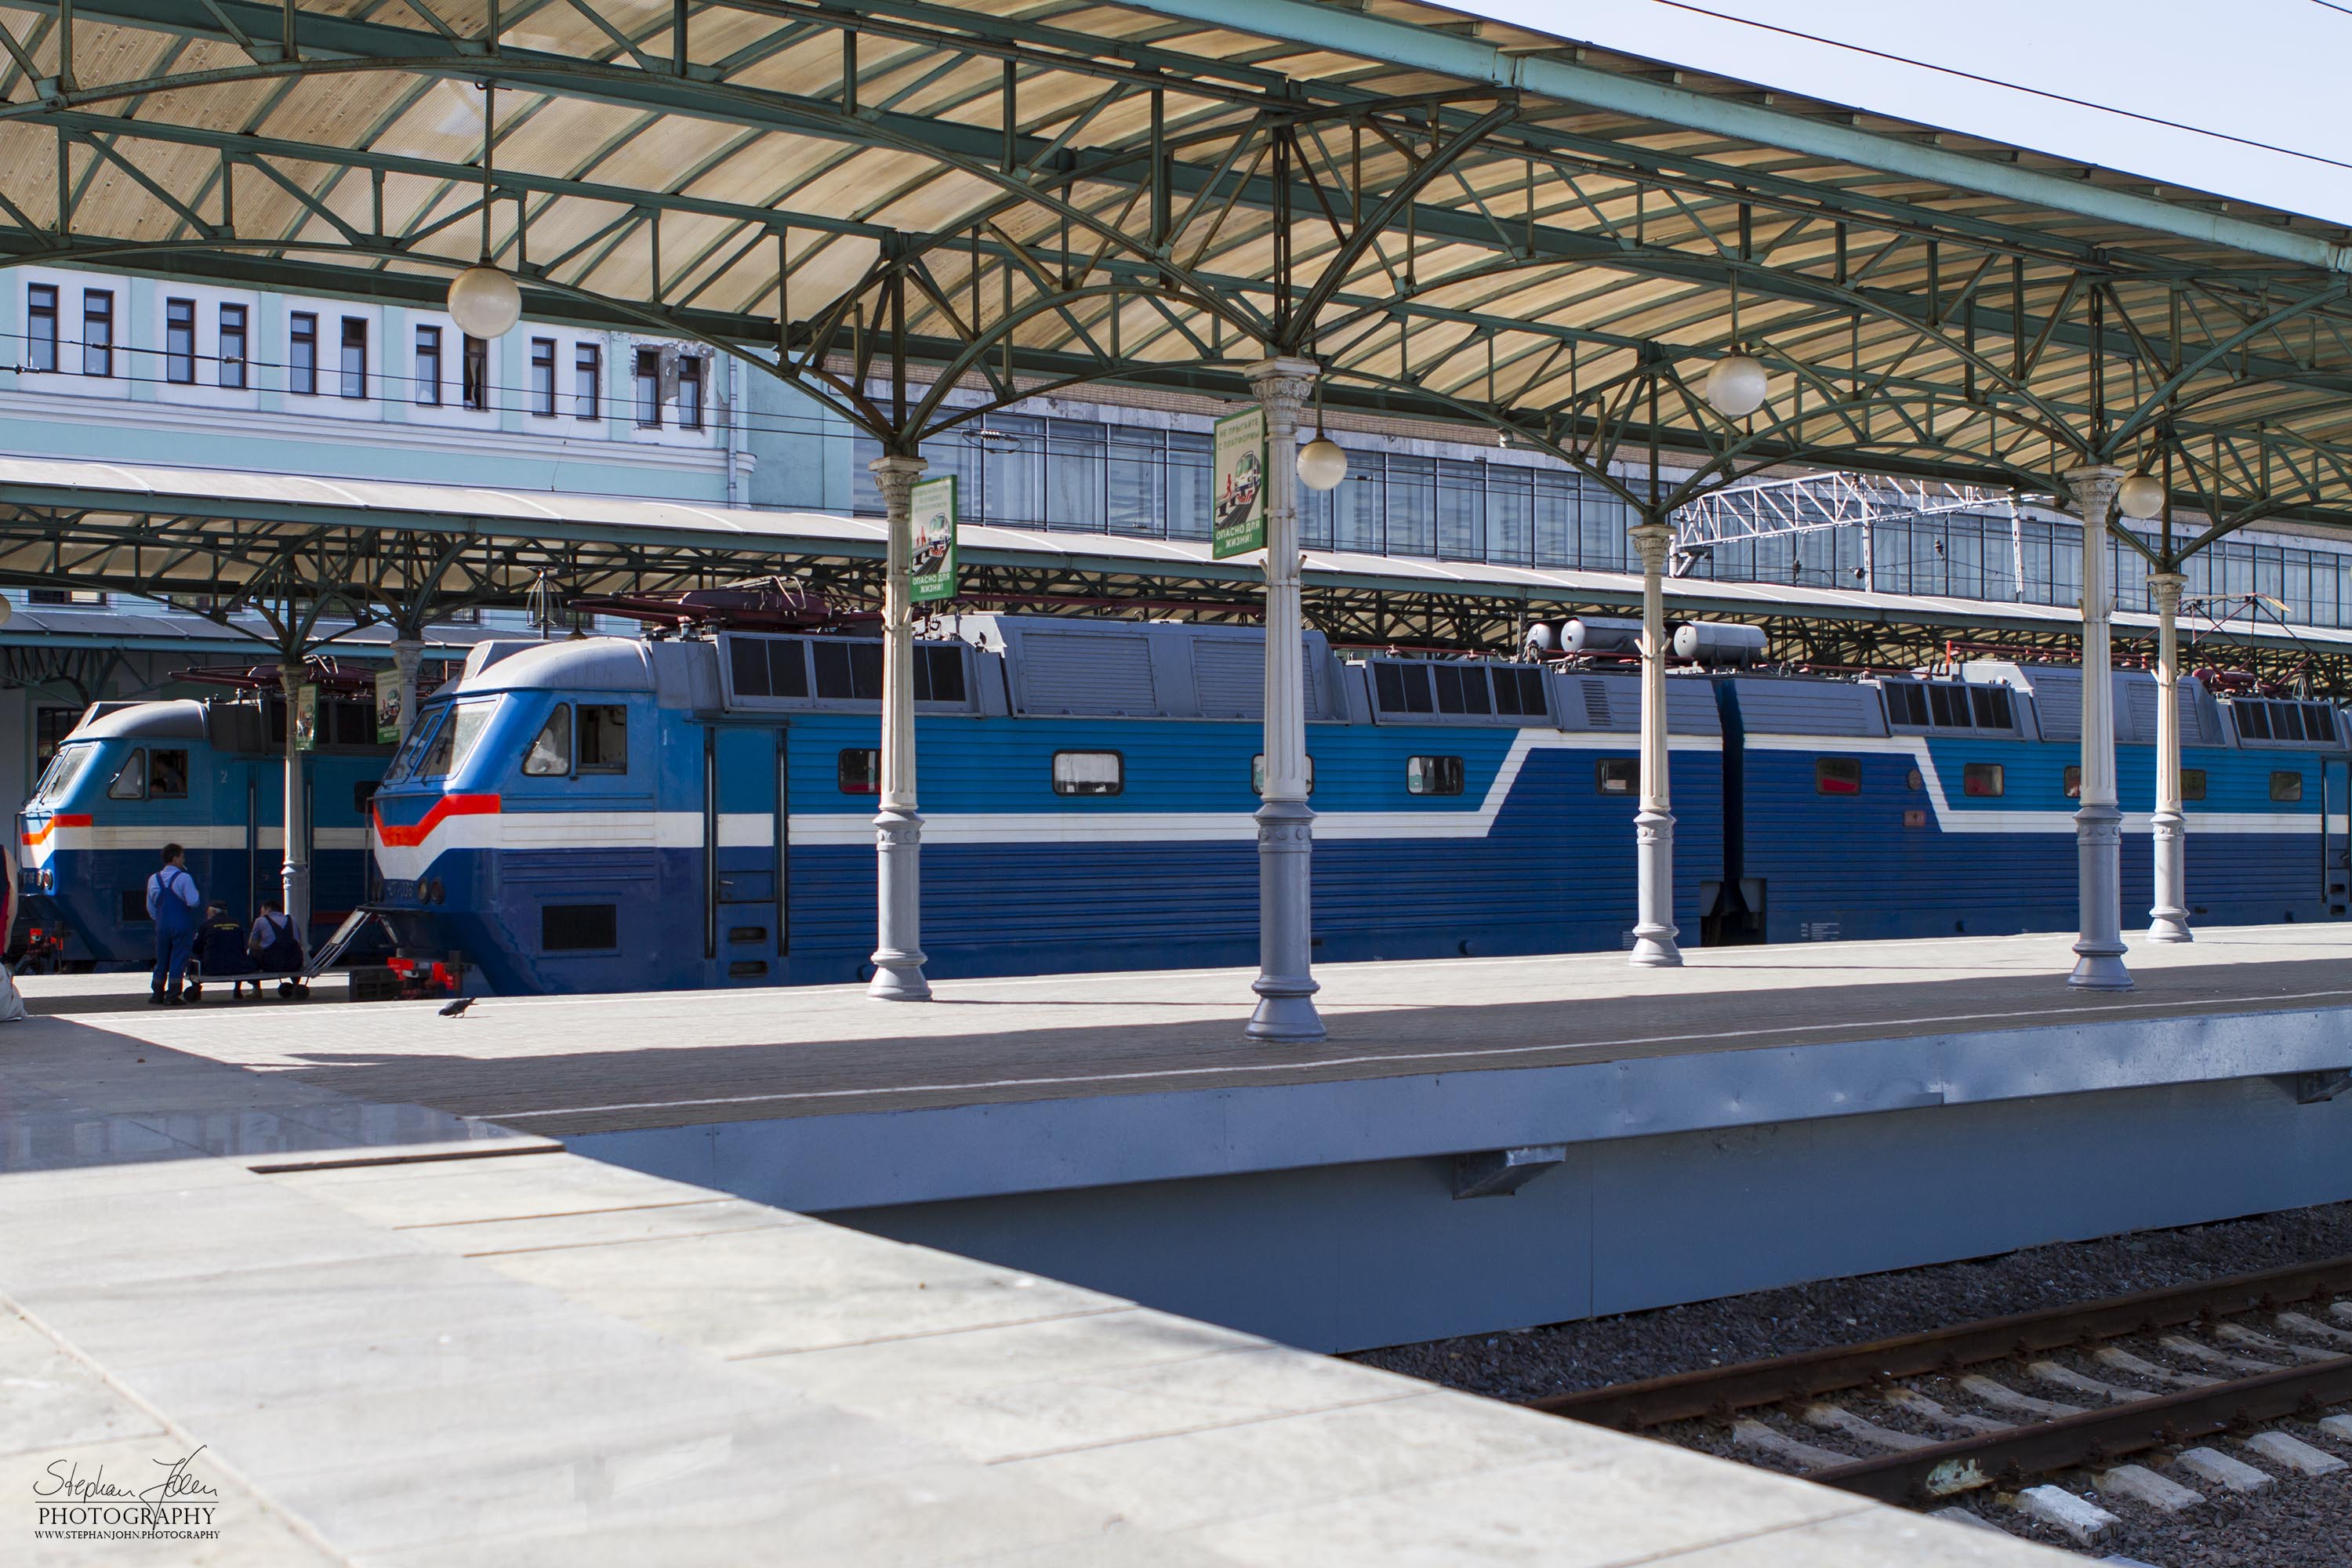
(1925, 1417)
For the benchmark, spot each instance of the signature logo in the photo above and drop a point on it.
(64, 1479)
(176, 1504)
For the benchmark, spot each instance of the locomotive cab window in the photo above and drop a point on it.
(1433, 775)
(2286, 786)
(603, 738)
(167, 774)
(2071, 782)
(2192, 783)
(454, 741)
(1617, 775)
(1257, 774)
(551, 752)
(1837, 775)
(1089, 773)
(131, 779)
(1983, 780)
(858, 771)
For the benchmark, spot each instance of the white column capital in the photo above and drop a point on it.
(2095, 484)
(1653, 541)
(897, 476)
(2166, 588)
(1290, 381)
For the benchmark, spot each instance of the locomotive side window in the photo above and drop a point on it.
(1461, 688)
(858, 771)
(550, 752)
(1518, 691)
(2073, 784)
(939, 673)
(603, 738)
(1257, 774)
(1089, 773)
(2253, 721)
(1906, 704)
(1617, 775)
(1433, 775)
(167, 774)
(2286, 786)
(2192, 783)
(1837, 775)
(131, 783)
(1403, 688)
(1983, 780)
(1948, 706)
(1991, 705)
(848, 670)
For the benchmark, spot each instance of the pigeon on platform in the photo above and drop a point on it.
(459, 1005)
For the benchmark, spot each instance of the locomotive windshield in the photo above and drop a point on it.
(64, 770)
(412, 748)
(453, 743)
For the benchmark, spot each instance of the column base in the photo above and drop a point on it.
(898, 957)
(2170, 925)
(2099, 951)
(1653, 931)
(1286, 870)
(2100, 971)
(2168, 920)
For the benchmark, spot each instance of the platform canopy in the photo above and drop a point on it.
(1462, 221)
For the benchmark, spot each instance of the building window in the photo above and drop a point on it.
(2072, 783)
(180, 341)
(41, 327)
(1617, 775)
(543, 377)
(1257, 774)
(1983, 780)
(2286, 786)
(96, 331)
(355, 356)
(1837, 775)
(1433, 775)
(858, 771)
(302, 352)
(2192, 783)
(50, 728)
(690, 392)
(429, 368)
(587, 379)
(231, 372)
(65, 595)
(1089, 773)
(476, 392)
(649, 398)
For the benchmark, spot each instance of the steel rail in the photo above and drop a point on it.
(1683, 1397)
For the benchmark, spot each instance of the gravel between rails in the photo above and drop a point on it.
(2300, 1522)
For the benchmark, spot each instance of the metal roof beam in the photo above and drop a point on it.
(1409, 47)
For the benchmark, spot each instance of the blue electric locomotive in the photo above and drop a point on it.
(206, 774)
(608, 813)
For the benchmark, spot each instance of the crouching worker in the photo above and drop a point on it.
(275, 950)
(171, 904)
(221, 954)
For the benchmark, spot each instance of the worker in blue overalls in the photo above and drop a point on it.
(173, 903)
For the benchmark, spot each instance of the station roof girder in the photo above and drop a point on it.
(1463, 222)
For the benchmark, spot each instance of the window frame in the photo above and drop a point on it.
(41, 327)
(647, 387)
(567, 762)
(579, 763)
(2286, 786)
(303, 353)
(180, 341)
(587, 381)
(98, 318)
(426, 364)
(154, 772)
(1826, 769)
(233, 325)
(2070, 781)
(351, 361)
(690, 372)
(474, 373)
(543, 377)
(1605, 768)
(1435, 775)
(2198, 792)
(114, 790)
(1083, 789)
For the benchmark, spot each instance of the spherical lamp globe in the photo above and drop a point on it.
(1322, 464)
(2141, 497)
(1735, 387)
(484, 301)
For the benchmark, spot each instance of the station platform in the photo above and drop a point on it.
(380, 1332)
(1481, 1144)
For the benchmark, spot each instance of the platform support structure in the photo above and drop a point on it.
(898, 829)
(1286, 825)
(407, 654)
(294, 870)
(2169, 919)
(2098, 822)
(1654, 825)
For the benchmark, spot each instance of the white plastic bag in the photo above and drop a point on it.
(12, 1001)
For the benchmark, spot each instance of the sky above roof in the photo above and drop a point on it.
(2237, 100)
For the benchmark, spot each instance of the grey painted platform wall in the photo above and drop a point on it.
(1323, 1214)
